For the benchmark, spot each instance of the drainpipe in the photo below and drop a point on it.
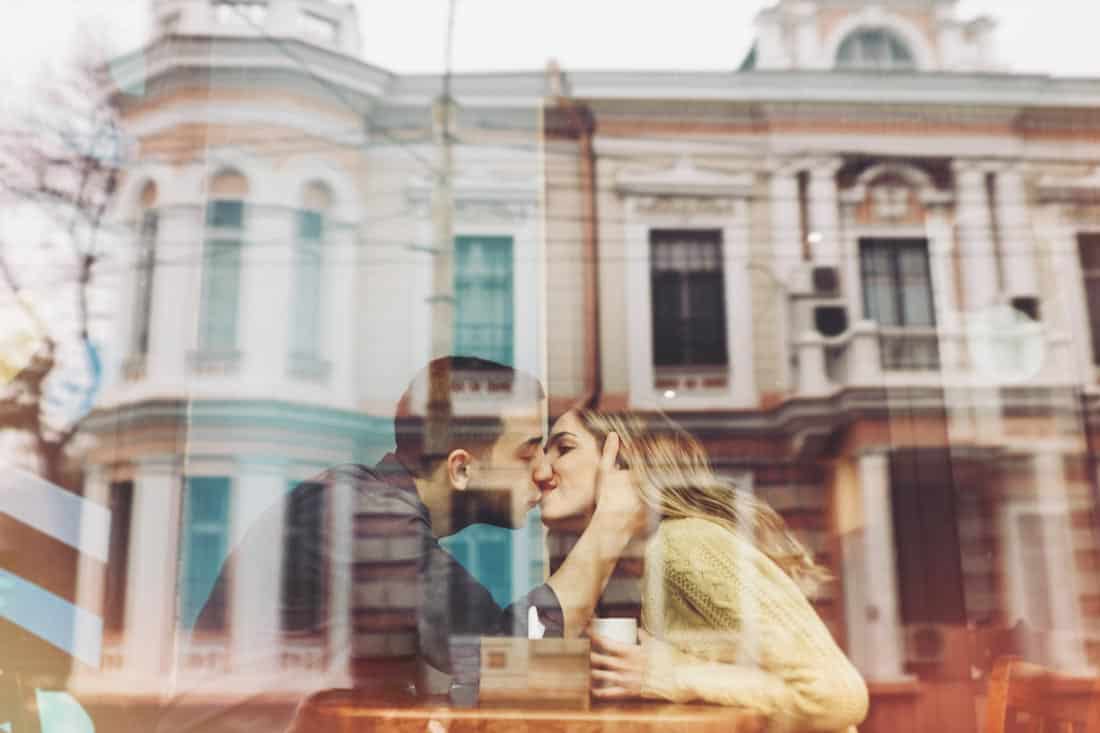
(582, 124)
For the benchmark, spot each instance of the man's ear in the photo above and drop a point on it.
(459, 466)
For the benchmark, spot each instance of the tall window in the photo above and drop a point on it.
(221, 273)
(897, 294)
(205, 545)
(146, 263)
(118, 556)
(875, 48)
(303, 553)
(484, 298)
(305, 318)
(1088, 246)
(689, 298)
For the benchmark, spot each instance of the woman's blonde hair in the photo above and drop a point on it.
(676, 481)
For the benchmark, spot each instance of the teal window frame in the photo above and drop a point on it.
(221, 277)
(484, 286)
(204, 548)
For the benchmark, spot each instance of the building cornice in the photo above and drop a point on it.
(132, 72)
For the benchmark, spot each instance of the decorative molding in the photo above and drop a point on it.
(683, 206)
(684, 179)
(1070, 189)
(918, 181)
(482, 197)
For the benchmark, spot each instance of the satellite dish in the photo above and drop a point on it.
(1006, 345)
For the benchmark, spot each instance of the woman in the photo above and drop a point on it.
(723, 587)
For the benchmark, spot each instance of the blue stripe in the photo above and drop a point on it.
(79, 523)
(51, 618)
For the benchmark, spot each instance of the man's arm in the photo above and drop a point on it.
(584, 573)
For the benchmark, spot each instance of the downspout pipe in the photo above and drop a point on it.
(583, 126)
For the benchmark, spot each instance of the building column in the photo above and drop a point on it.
(786, 236)
(1066, 645)
(1064, 293)
(941, 250)
(1017, 240)
(176, 292)
(975, 225)
(824, 212)
(91, 577)
(153, 569)
(267, 277)
(870, 576)
(258, 513)
(341, 518)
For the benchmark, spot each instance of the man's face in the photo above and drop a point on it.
(503, 476)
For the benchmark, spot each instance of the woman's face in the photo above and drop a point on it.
(566, 475)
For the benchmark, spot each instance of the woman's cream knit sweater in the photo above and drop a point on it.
(733, 629)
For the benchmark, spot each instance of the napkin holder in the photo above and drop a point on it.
(542, 673)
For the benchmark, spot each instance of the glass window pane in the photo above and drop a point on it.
(484, 299)
(221, 295)
(205, 546)
(225, 214)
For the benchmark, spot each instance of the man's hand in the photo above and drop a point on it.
(619, 505)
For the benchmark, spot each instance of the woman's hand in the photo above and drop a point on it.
(618, 501)
(619, 670)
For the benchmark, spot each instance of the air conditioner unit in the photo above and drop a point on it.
(826, 281)
(925, 644)
(830, 320)
(825, 316)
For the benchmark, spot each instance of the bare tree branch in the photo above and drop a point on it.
(59, 160)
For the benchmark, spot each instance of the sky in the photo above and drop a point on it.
(1054, 36)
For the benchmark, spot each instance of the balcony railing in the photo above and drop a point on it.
(871, 356)
(909, 349)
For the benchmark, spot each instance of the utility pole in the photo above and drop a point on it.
(442, 299)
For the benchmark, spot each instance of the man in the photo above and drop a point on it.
(409, 598)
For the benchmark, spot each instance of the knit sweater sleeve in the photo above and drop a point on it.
(791, 669)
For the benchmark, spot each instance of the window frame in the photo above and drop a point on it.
(727, 209)
(509, 326)
(900, 332)
(228, 240)
(222, 581)
(855, 42)
(117, 571)
(322, 608)
(711, 238)
(145, 273)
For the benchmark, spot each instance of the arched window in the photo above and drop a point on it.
(148, 224)
(875, 48)
(306, 302)
(221, 267)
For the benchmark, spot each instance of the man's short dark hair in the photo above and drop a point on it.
(501, 385)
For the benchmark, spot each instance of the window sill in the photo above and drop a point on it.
(214, 363)
(691, 380)
(309, 368)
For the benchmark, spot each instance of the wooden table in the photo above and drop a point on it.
(340, 711)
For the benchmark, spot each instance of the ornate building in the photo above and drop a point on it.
(860, 268)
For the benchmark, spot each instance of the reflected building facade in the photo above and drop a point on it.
(860, 268)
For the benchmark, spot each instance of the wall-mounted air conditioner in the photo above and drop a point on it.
(825, 281)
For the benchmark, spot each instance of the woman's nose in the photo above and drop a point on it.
(541, 470)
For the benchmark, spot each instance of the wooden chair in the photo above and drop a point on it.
(1023, 698)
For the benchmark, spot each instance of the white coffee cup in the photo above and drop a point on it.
(622, 630)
